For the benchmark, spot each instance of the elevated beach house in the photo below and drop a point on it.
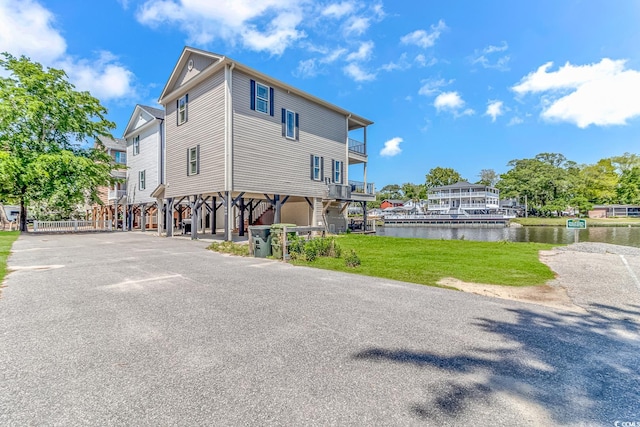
(112, 198)
(144, 137)
(243, 148)
(463, 198)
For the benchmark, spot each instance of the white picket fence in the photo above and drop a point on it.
(71, 226)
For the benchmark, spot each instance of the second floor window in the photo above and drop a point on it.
(261, 98)
(290, 124)
(136, 145)
(121, 157)
(317, 168)
(193, 160)
(182, 109)
(337, 172)
(142, 180)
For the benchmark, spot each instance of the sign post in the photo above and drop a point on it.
(576, 225)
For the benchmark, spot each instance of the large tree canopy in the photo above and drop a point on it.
(45, 126)
(439, 176)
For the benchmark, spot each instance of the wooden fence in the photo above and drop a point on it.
(71, 226)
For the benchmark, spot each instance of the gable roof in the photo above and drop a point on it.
(222, 61)
(114, 144)
(153, 112)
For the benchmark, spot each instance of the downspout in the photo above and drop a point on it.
(228, 150)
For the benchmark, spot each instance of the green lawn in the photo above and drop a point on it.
(562, 222)
(427, 261)
(6, 240)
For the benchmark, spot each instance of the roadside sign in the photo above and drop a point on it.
(577, 224)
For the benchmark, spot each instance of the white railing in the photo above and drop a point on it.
(71, 226)
(457, 194)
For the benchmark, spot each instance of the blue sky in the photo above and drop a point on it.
(466, 84)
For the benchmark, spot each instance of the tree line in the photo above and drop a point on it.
(549, 181)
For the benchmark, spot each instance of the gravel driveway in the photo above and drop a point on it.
(132, 329)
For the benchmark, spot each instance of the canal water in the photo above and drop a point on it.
(627, 236)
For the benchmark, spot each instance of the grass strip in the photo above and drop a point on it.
(6, 241)
(427, 261)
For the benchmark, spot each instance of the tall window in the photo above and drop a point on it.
(121, 157)
(136, 145)
(290, 125)
(142, 180)
(193, 167)
(262, 98)
(316, 165)
(182, 109)
(337, 171)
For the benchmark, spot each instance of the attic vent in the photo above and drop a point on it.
(190, 65)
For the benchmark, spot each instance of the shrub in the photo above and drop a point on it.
(352, 259)
(309, 250)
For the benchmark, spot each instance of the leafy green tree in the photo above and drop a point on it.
(391, 191)
(439, 176)
(488, 177)
(625, 162)
(548, 181)
(413, 191)
(44, 123)
(628, 190)
(597, 183)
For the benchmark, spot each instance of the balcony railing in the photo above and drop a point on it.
(357, 147)
(338, 191)
(116, 194)
(361, 188)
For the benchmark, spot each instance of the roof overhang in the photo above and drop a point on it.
(354, 121)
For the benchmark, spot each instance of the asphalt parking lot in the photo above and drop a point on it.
(133, 329)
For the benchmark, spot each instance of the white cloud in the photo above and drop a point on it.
(357, 25)
(515, 121)
(363, 53)
(358, 74)
(391, 147)
(402, 64)
(431, 86)
(448, 101)
(338, 10)
(307, 68)
(494, 109)
(453, 103)
(26, 28)
(600, 94)
(267, 25)
(104, 77)
(423, 38)
(486, 58)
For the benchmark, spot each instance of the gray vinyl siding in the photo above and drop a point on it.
(199, 63)
(264, 161)
(204, 127)
(146, 161)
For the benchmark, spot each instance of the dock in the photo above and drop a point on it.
(484, 221)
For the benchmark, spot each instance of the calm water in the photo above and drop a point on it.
(616, 235)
